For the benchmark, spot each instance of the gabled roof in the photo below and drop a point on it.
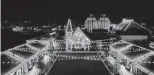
(125, 26)
(8, 63)
(69, 26)
(24, 51)
(148, 63)
(37, 44)
(135, 24)
(80, 31)
(120, 45)
(122, 26)
(131, 51)
(135, 52)
(151, 28)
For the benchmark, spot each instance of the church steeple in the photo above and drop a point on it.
(68, 34)
(69, 30)
(69, 26)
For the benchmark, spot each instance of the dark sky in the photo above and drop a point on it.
(58, 11)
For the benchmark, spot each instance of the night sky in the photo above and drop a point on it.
(58, 11)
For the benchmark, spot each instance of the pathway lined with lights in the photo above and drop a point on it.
(79, 51)
(105, 65)
(70, 57)
(52, 65)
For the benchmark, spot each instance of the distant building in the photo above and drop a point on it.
(131, 31)
(17, 29)
(104, 22)
(91, 23)
(81, 39)
(77, 39)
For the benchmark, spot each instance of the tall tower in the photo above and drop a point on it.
(68, 31)
(90, 23)
(104, 22)
(68, 34)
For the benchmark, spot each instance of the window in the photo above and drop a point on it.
(78, 40)
(79, 45)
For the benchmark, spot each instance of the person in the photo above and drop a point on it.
(129, 66)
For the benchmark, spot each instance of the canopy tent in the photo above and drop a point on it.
(46, 59)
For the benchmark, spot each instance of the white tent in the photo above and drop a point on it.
(123, 71)
(46, 59)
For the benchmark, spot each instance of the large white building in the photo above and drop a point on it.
(131, 31)
(91, 23)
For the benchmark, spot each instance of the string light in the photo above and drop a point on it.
(136, 50)
(147, 62)
(8, 62)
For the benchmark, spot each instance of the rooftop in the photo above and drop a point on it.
(120, 45)
(134, 52)
(69, 26)
(43, 37)
(132, 26)
(37, 45)
(8, 63)
(23, 51)
(122, 26)
(148, 63)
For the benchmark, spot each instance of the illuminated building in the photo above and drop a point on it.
(77, 39)
(23, 59)
(90, 39)
(91, 23)
(102, 24)
(81, 39)
(17, 29)
(135, 59)
(131, 31)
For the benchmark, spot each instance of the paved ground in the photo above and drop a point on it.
(79, 66)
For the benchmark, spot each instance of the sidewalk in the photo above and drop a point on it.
(34, 71)
(123, 71)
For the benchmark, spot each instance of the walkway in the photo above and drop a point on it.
(78, 66)
(123, 71)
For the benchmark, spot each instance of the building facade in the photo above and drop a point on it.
(81, 39)
(23, 59)
(133, 57)
(103, 23)
(131, 31)
(76, 39)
